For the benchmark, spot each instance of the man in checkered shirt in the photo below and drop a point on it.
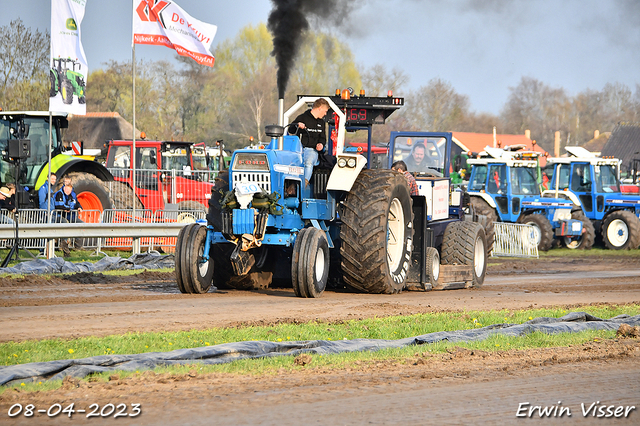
(401, 166)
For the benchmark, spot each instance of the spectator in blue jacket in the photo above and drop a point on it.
(67, 206)
(45, 189)
(66, 202)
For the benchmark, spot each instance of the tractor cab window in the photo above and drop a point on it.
(606, 179)
(581, 177)
(147, 168)
(120, 157)
(563, 176)
(422, 155)
(524, 181)
(175, 158)
(478, 178)
(497, 182)
(146, 158)
(39, 154)
(199, 158)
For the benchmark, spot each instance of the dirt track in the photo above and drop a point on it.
(456, 388)
(85, 304)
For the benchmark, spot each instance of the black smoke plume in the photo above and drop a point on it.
(288, 22)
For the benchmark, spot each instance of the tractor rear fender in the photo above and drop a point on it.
(486, 197)
(343, 178)
(568, 194)
(63, 164)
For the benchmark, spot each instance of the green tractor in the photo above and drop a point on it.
(64, 78)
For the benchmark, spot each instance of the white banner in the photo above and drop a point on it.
(68, 73)
(165, 23)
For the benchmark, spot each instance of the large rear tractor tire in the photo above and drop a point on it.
(480, 206)
(220, 187)
(53, 90)
(377, 232)
(197, 275)
(192, 206)
(310, 263)
(67, 92)
(464, 243)
(621, 230)
(124, 197)
(91, 193)
(542, 232)
(584, 241)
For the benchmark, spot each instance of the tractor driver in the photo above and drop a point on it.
(417, 160)
(310, 126)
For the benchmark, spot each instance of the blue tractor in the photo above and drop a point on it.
(504, 185)
(351, 224)
(592, 184)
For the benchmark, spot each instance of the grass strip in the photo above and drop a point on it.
(396, 327)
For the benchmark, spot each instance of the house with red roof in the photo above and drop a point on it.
(476, 142)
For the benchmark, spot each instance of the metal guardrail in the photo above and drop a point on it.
(110, 229)
(514, 240)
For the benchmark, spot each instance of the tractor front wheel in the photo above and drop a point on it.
(542, 230)
(621, 230)
(586, 239)
(310, 263)
(481, 207)
(192, 271)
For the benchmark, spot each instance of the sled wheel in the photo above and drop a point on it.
(463, 243)
(432, 259)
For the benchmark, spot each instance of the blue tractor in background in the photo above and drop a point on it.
(353, 225)
(504, 185)
(592, 184)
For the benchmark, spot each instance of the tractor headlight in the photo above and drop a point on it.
(351, 162)
(562, 214)
(342, 162)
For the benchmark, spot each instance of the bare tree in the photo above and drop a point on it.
(435, 107)
(377, 81)
(542, 109)
(24, 58)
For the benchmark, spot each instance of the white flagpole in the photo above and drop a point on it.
(49, 173)
(133, 154)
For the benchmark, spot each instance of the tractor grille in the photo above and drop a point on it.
(263, 179)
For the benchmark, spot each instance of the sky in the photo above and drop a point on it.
(481, 47)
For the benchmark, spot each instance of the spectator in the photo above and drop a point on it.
(7, 203)
(66, 202)
(45, 190)
(401, 166)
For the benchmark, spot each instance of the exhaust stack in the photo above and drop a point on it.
(280, 121)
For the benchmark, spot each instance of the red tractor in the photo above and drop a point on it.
(167, 175)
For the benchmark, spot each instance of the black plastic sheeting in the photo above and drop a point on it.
(228, 352)
(59, 265)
